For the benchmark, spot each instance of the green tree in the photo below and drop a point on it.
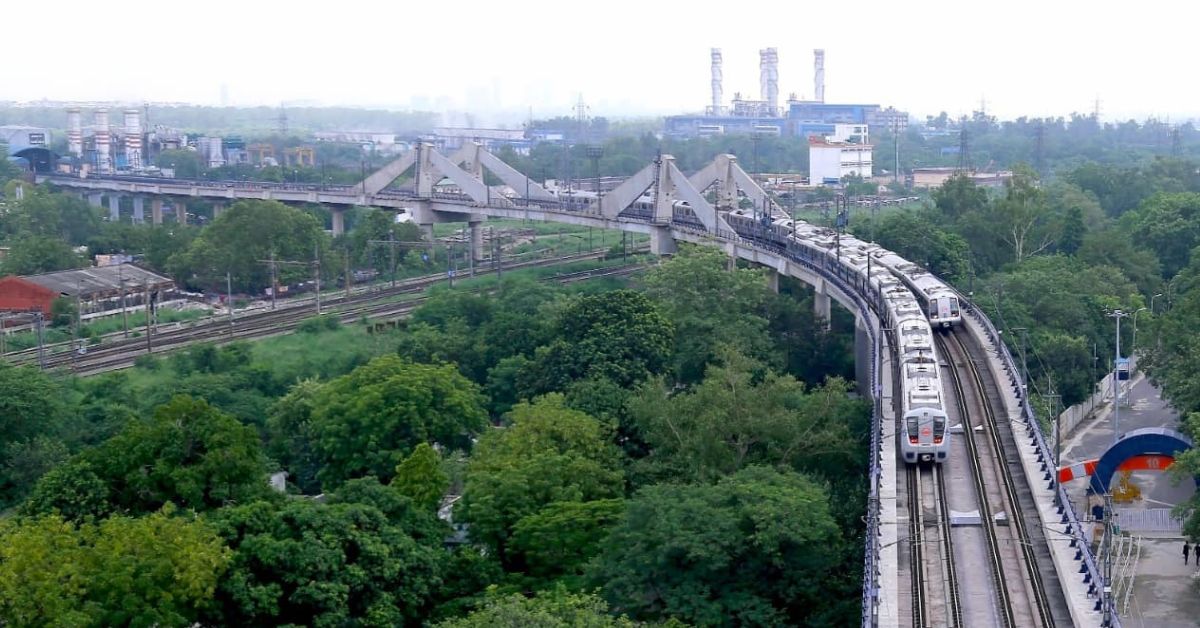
(618, 335)
(368, 421)
(185, 162)
(755, 549)
(290, 439)
(33, 414)
(244, 235)
(710, 308)
(32, 254)
(917, 237)
(740, 416)
(1169, 225)
(562, 537)
(188, 453)
(549, 454)
(158, 570)
(556, 608)
(297, 562)
(959, 196)
(420, 477)
(379, 225)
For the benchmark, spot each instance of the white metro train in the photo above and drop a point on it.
(908, 312)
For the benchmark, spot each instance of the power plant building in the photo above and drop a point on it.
(796, 118)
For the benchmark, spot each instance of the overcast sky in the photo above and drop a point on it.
(626, 57)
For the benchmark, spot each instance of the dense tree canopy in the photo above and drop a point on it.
(548, 454)
(245, 235)
(157, 570)
(754, 549)
(368, 421)
(188, 453)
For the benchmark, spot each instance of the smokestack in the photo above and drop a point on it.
(133, 139)
(768, 77)
(74, 132)
(716, 82)
(103, 142)
(819, 75)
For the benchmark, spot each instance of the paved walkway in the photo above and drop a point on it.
(1165, 590)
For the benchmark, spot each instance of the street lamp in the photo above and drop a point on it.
(1118, 315)
(1135, 313)
(1152, 298)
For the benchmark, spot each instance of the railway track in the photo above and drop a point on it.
(934, 574)
(379, 304)
(1020, 591)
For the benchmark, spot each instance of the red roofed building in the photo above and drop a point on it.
(18, 294)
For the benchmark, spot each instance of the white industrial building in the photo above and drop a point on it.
(845, 153)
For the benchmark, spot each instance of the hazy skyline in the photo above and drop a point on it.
(625, 58)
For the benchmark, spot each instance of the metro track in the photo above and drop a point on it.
(1020, 593)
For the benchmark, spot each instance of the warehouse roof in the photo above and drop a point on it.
(99, 280)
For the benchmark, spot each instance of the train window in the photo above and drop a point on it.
(912, 429)
(939, 429)
(953, 306)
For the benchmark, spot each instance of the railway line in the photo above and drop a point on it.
(1022, 593)
(384, 303)
(934, 573)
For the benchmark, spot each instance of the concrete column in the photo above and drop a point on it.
(773, 280)
(95, 199)
(114, 207)
(218, 207)
(139, 210)
(822, 306)
(339, 221)
(476, 240)
(661, 242)
(427, 232)
(862, 357)
(180, 210)
(156, 204)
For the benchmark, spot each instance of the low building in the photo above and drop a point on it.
(830, 161)
(931, 178)
(98, 289)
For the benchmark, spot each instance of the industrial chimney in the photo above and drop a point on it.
(716, 82)
(768, 78)
(103, 143)
(74, 132)
(133, 139)
(819, 75)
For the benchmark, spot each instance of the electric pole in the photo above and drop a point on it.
(1118, 315)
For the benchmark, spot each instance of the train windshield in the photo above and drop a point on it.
(912, 429)
(939, 429)
(953, 306)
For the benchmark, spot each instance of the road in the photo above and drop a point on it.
(1164, 594)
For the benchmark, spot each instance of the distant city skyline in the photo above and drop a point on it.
(497, 61)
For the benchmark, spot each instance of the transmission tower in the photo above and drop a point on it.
(1039, 147)
(282, 121)
(964, 152)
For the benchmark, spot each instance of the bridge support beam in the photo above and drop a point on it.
(338, 215)
(218, 207)
(156, 205)
(427, 232)
(95, 199)
(139, 210)
(114, 207)
(862, 356)
(180, 210)
(822, 305)
(662, 242)
(773, 280)
(476, 233)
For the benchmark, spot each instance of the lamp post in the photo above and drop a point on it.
(1118, 315)
(1135, 313)
(1152, 298)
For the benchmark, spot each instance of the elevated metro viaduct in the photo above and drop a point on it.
(649, 202)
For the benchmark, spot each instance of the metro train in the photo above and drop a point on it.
(888, 279)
